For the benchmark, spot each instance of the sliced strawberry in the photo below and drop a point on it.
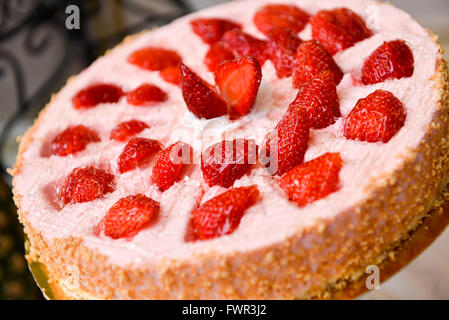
(338, 29)
(86, 184)
(128, 216)
(199, 96)
(239, 81)
(246, 45)
(137, 152)
(227, 161)
(211, 30)
(169, 164)
(286, 145)
(378, 117)
(146, 94)
(171, 75)
(218, 53)
(96, 94)
(313, 180)
(311, 58)
(392, 60)
(320, 100)
(282, 46)
(125, 130)
(280, 16)
(154, 59)
(72, 140)
(221, 215)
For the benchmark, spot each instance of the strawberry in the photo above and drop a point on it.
(154, 59)
(282, 46)
(221, 215)
(239, 81)
(72, 140)
(286, 145)
(392, 60)
(378, 117)
(284, 16)
(199, 96)
(246, 45)
(127, 129)
(146, 94)
(218, 53)
(171, 75)
(319, 98)
(311, 58)
(212, 30)
(86, 184)
(313, 180)
(137, 152)
(169, 164)
(338, 29)
(96, 94)
(128, 216)
(227, 161)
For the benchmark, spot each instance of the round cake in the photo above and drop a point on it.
(253, 150)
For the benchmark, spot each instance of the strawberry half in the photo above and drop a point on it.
(282, 46)
(286, 145)
(227, 161)
(246, 45)
(221, 215)
(320, 100)
(338, 29)
(239, 81)
(376, 118)
(137, 152)
(313, 180)
(311, 58)
(128, 216)
(154, 59)
(123, 131)
(211, 30)
(392, 60)
(218, 53)
(280, 16)
(72, 140)
(96, 94)
(199, 96)
(171, 75)
(146, 94)
(169, 164)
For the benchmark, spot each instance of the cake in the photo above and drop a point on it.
(253, 150)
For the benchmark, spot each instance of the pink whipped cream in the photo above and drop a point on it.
(273, 218)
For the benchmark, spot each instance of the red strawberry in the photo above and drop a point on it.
(239, 81)
(169, 164)
(311, 59)
(123, 131)
(378, 117)
(246, 45)
(137, 152)
(286, 145)
(72, 140)
(86, 184)
(392, 60)
(221, 215)
(218, 53)
(96, 94)
(227, 161)
(280, 16)
(199, 96)
(154, 59)
(338, 29)
(313, 180)
(145, 94)
(282, 46)
(128, 216)
(319, 98)
(171, 75)
(212, 30)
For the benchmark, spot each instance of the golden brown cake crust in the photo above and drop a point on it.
(303, 266)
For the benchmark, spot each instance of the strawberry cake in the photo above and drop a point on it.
(254, 150)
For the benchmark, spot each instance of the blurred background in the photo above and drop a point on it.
(37, 55)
